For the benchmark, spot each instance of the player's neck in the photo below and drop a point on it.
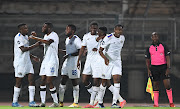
(49, 33)
(71, 36)
(23, 34)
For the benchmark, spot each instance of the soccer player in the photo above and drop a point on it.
(22, 65)
(112, 44)
(158, 54)
(50, 63)
(89, 41)
(69, 68)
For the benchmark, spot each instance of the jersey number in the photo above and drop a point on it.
(74, 72)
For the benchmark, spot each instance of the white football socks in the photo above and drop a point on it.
(16, 94)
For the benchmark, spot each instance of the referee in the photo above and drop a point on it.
(158, 65)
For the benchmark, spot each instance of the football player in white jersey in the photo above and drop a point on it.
(89, 42)
(22, 65)
(50, 63)
(69, 68)
(112, 44)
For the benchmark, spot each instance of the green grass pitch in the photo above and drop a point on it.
(26, 107)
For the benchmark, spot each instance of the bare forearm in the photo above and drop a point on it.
(24, 49)
(168, 62)
(81, 52)
(42, 40)
(148, 64)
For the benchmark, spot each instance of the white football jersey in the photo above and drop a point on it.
(113, 46)
(51, 51)
(90, 42)
(73, 44)
(21, 58)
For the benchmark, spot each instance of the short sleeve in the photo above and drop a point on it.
(84, 41)
(105, 42)
(19, 41)
(78, 43)
(147, 53)
(166, 50)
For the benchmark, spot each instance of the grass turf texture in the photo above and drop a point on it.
(26, 107)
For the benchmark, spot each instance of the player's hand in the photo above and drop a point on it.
(106, 61)
(36, 59)
(167, 72)
(149, 73)
(65, 56)
(33, 33)
(31, 37)
(94, 49)
(78, 64)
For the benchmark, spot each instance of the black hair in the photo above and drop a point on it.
(103, 29)
(73, 27)
(93, 23)
(20, 25)
(50, 25)
(119, 25)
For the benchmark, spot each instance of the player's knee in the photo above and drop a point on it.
(18, 84)
(48, 82)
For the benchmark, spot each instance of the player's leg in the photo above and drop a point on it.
(97, 82)
(31, 90)
(17, 90)
(43, 91)
(52, 88)
(101, 93)
(156, 79)
(75, 92)
(116, 90)
(62, 88)
(169, 91)
(87, 83)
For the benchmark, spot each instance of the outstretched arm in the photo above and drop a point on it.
(48, 42)
(24, 49)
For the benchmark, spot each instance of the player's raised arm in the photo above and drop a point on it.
(48, 42)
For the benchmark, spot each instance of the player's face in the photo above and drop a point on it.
(118, 31)
(155, 38)
(45, 29)
(24, 30)
(93, 29)
(100, 33)
(68, 31)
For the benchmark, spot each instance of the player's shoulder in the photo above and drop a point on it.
(18, 36)
(87, 34)
(54, 34)
(109, 35)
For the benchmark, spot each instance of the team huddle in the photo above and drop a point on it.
(103, 63)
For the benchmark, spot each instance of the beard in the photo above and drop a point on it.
(45, 31)
(68, 34)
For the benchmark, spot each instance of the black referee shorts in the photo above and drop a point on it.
(158, 72)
